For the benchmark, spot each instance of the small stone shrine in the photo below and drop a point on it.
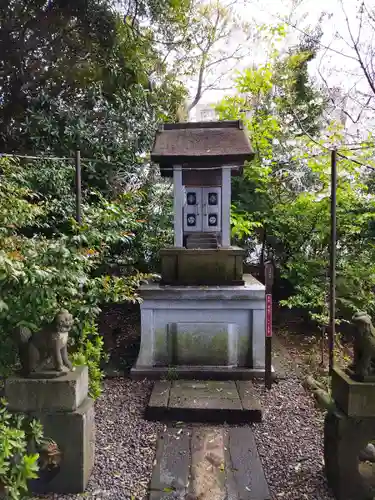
(205, 317)
(49, 389)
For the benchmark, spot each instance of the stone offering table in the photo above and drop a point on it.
(66, 412)
(205, 318)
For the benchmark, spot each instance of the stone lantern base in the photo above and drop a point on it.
(202, 330)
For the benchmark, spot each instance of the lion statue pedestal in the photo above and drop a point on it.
(49, 389)
(349, 429)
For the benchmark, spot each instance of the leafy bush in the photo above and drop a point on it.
(41, 275)
(17, 464)
(89, 351)
(282, 203)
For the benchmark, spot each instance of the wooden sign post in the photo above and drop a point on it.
(268, 273)
(78, 187)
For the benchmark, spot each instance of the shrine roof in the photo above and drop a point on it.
(218, 143)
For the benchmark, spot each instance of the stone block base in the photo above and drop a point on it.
(65, 393)
(203, 266)
(232, 402)
(74, 432)
(202, 327)
(355, 399)
(61, 405)
(344, 439)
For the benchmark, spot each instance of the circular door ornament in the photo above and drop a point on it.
(191, 220)
(212, 220)
(212, 198)
(191, 199)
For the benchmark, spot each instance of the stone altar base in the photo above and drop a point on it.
(66, 412)
(208, 330)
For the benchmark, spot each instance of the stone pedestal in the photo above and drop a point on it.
(355, 399)
(66, 412)
(202, 329)
(202, 266)
(344, 439)
(346, 435)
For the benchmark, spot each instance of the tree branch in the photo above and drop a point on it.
(356, 49)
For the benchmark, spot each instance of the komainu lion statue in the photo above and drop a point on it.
(364, 347)
(48, 344)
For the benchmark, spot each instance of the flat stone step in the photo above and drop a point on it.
(203, 237)
(202, 246)
(209, 463)
(204, 401)
(171, 470)
(245, 475)
(199, 372)
(201, 240)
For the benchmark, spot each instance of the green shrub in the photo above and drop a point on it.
(39, 275)
(89, 352)
(17, 464)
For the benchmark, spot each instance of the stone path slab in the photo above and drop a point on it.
(204, 401)
(208, 463)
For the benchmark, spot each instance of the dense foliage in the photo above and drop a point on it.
(19, 437)
(80, 269)
(62, 48)
(77, 77)
(80, 77)
(282, 206)
(86, 76)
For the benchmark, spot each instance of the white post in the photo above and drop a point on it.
(178, 204)
(225, 205)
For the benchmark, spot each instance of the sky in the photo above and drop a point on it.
(336, 70)
(306, 14)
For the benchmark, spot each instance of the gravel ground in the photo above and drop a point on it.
(290, 440)
(125, 444)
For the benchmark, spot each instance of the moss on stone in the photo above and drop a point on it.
(161, 347)
(196, 348)
(244, 344)
(202, 266)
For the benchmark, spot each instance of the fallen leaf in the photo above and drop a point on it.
(297, 468)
